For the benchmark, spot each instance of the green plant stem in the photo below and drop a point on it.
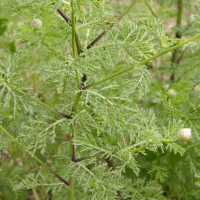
(132, 151)
(77, 99)
(152, 12)
(33, 156)
(78, 43)
(36, 100)
(78, 79)
(104, 32)
(138, 149)
(127, 10)
(71, 180)
(71, 148)
(76, 102)
(73, 30)
(145, 146)
(51, 49)
(88, 157)
(181, 56)
(179, 17)
(178, 34)
(35, 194)
(142, 63)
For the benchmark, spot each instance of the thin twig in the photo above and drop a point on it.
(64, 16)
(152, 11)
(36, 100)
(112, 167)
(110, 163)
(33, 156)
(104, 32)
(181, 56)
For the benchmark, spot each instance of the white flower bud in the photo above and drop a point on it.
(197, 88)
(193, 18)
(171, 93)
(184, 134)
(37, 24)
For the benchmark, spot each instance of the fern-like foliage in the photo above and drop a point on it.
(105, 133)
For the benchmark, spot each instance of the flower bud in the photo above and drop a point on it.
(197, 88)
(184, 134)
(37, 24)
(171, 93)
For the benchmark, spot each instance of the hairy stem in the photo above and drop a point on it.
(33, 156)
(142, 63)
(104, 32)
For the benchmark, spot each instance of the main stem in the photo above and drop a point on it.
(71, 179)
(71, 146)
(77, 40)
(178, 34)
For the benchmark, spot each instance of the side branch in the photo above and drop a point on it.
(104, 32)
(142, 63)
(37, 101)
(165, 141)
(34, 157)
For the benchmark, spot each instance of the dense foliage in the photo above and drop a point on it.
(97, 99)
